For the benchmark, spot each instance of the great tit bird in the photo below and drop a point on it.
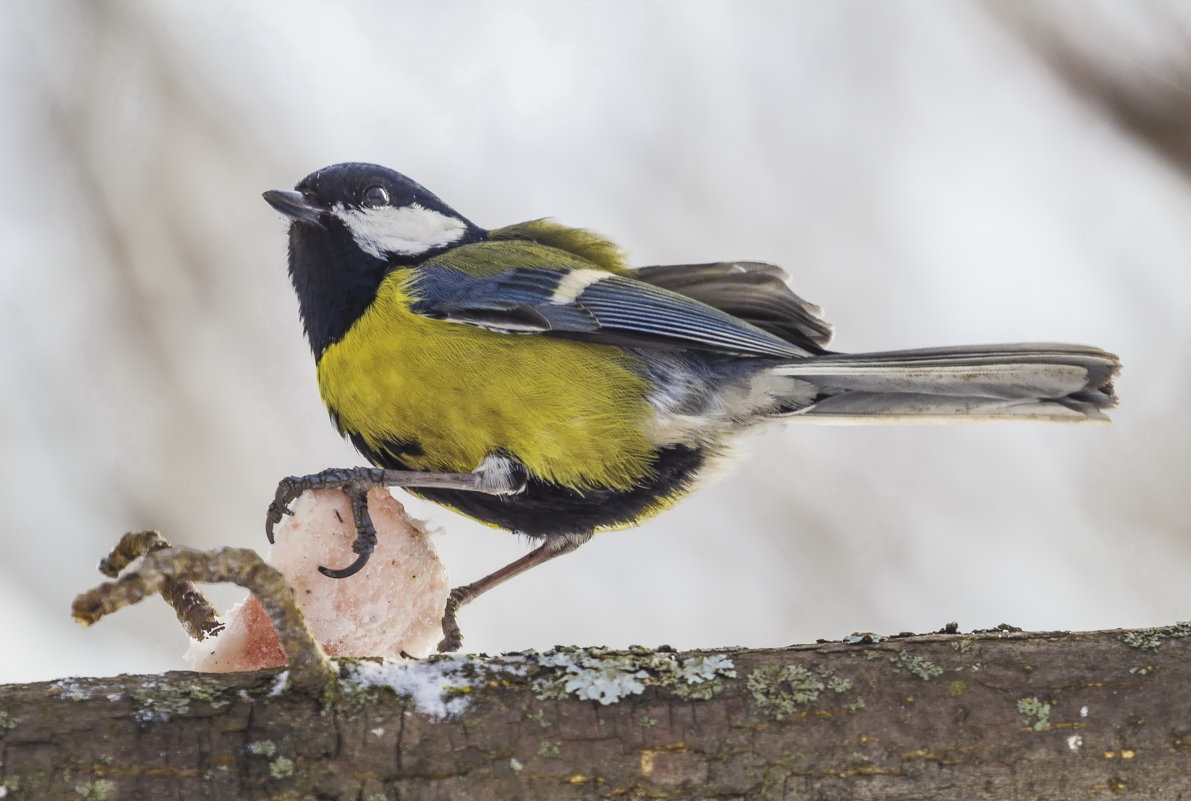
(528, 378)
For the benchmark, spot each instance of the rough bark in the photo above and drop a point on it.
(994, 715)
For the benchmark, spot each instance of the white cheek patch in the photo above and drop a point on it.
(400, 230)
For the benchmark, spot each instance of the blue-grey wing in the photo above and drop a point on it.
(589, 305)
(753, 291)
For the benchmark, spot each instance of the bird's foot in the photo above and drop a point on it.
(452, 637)
(355, 483)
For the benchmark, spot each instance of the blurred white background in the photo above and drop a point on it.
(933, 173)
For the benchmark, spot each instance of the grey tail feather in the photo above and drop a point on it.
(1038, 381)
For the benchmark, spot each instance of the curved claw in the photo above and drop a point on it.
(273, 518)
(280, 506)
(351, 570)
(452, 639)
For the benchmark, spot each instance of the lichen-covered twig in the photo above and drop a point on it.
(194, 612)
(309, 667)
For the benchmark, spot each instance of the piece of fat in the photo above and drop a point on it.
(394, 604)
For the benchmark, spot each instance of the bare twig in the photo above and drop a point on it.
(169, 568)
(194, 612)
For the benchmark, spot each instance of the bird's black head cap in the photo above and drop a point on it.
(352, 223)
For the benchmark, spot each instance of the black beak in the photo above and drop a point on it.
(292, 205)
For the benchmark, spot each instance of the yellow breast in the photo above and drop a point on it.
(573, 413)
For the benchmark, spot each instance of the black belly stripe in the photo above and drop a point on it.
(545, 509)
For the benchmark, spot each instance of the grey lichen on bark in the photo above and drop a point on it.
(1000, 714)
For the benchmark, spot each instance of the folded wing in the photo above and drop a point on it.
(597, 306)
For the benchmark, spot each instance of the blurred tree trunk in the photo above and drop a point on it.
(1139, 77)
(993, 715)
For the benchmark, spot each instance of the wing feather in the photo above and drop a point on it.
(753, 291)
(594, 306)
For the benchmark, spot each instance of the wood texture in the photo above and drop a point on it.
(1003, 714)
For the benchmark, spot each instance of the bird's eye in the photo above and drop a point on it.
(375, 196)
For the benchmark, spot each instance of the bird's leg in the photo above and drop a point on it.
(552, 547)
(355, 483)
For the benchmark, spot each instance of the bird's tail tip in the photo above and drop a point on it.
(1038, 381)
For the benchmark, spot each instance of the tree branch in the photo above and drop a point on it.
(989, 715)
